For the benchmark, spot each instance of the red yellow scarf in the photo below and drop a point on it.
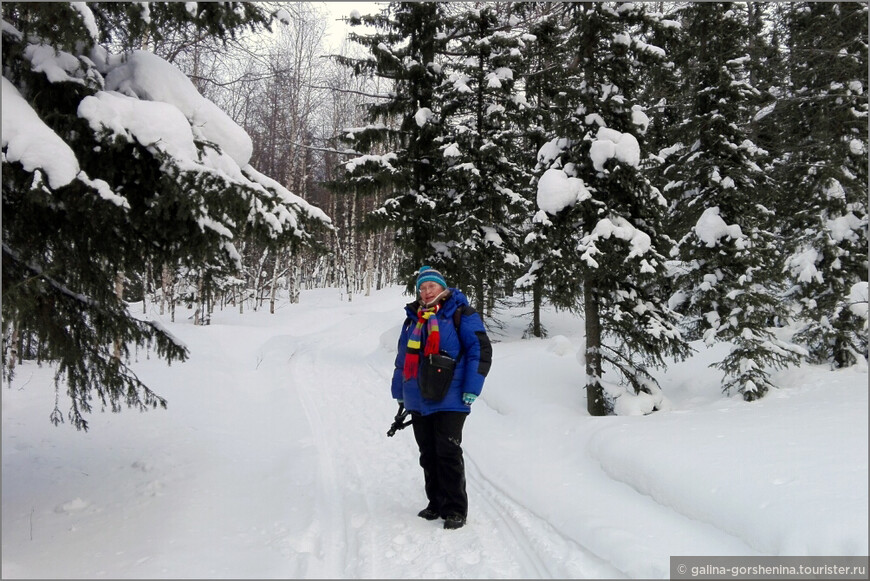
(433, 341)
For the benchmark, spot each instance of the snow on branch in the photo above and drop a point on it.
(34, 144)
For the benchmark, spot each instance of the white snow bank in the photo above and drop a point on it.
(787, 474)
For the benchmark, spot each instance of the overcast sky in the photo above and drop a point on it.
(337, 10)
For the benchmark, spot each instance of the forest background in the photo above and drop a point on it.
(673, 171)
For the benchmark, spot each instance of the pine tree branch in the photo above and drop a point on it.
(349, 91)
(326, 149)
(244, 79)
(38, 272)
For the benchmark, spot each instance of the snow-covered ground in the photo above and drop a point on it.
(272, 461)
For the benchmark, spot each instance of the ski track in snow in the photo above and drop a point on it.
(546, 553)
(502, 538)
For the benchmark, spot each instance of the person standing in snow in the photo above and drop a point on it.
(443, 358)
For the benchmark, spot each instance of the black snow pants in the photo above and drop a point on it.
(439, 437)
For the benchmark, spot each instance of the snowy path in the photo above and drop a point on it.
(272, 461)
(368, 488)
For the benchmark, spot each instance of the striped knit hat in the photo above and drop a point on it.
(427, 273)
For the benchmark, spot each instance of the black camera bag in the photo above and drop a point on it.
(436, 373)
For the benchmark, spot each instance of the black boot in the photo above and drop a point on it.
(454, 521)
(429, 513)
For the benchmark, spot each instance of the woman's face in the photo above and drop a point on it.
(429, 291)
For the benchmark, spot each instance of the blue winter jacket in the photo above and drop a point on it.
(473, 364)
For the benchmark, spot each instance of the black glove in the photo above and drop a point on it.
(399, 421)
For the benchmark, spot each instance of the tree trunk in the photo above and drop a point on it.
(119, 292)
(537, 299)
(596, 402)
(350, 252)
(208, 299)
(258, 276)
(370, 243)
(274, 282)
(146, 285)
(342, 257)
(168, 287)
(479, 296)
(197, 302)
(293, 288)
(13, 348)
(164, 288)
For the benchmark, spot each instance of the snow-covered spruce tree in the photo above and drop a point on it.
(111, 163)
(823, 123)
(484, 192)
(730, 265)
(548, 273)
(661, 89)
(605, 216)
(399, 149)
